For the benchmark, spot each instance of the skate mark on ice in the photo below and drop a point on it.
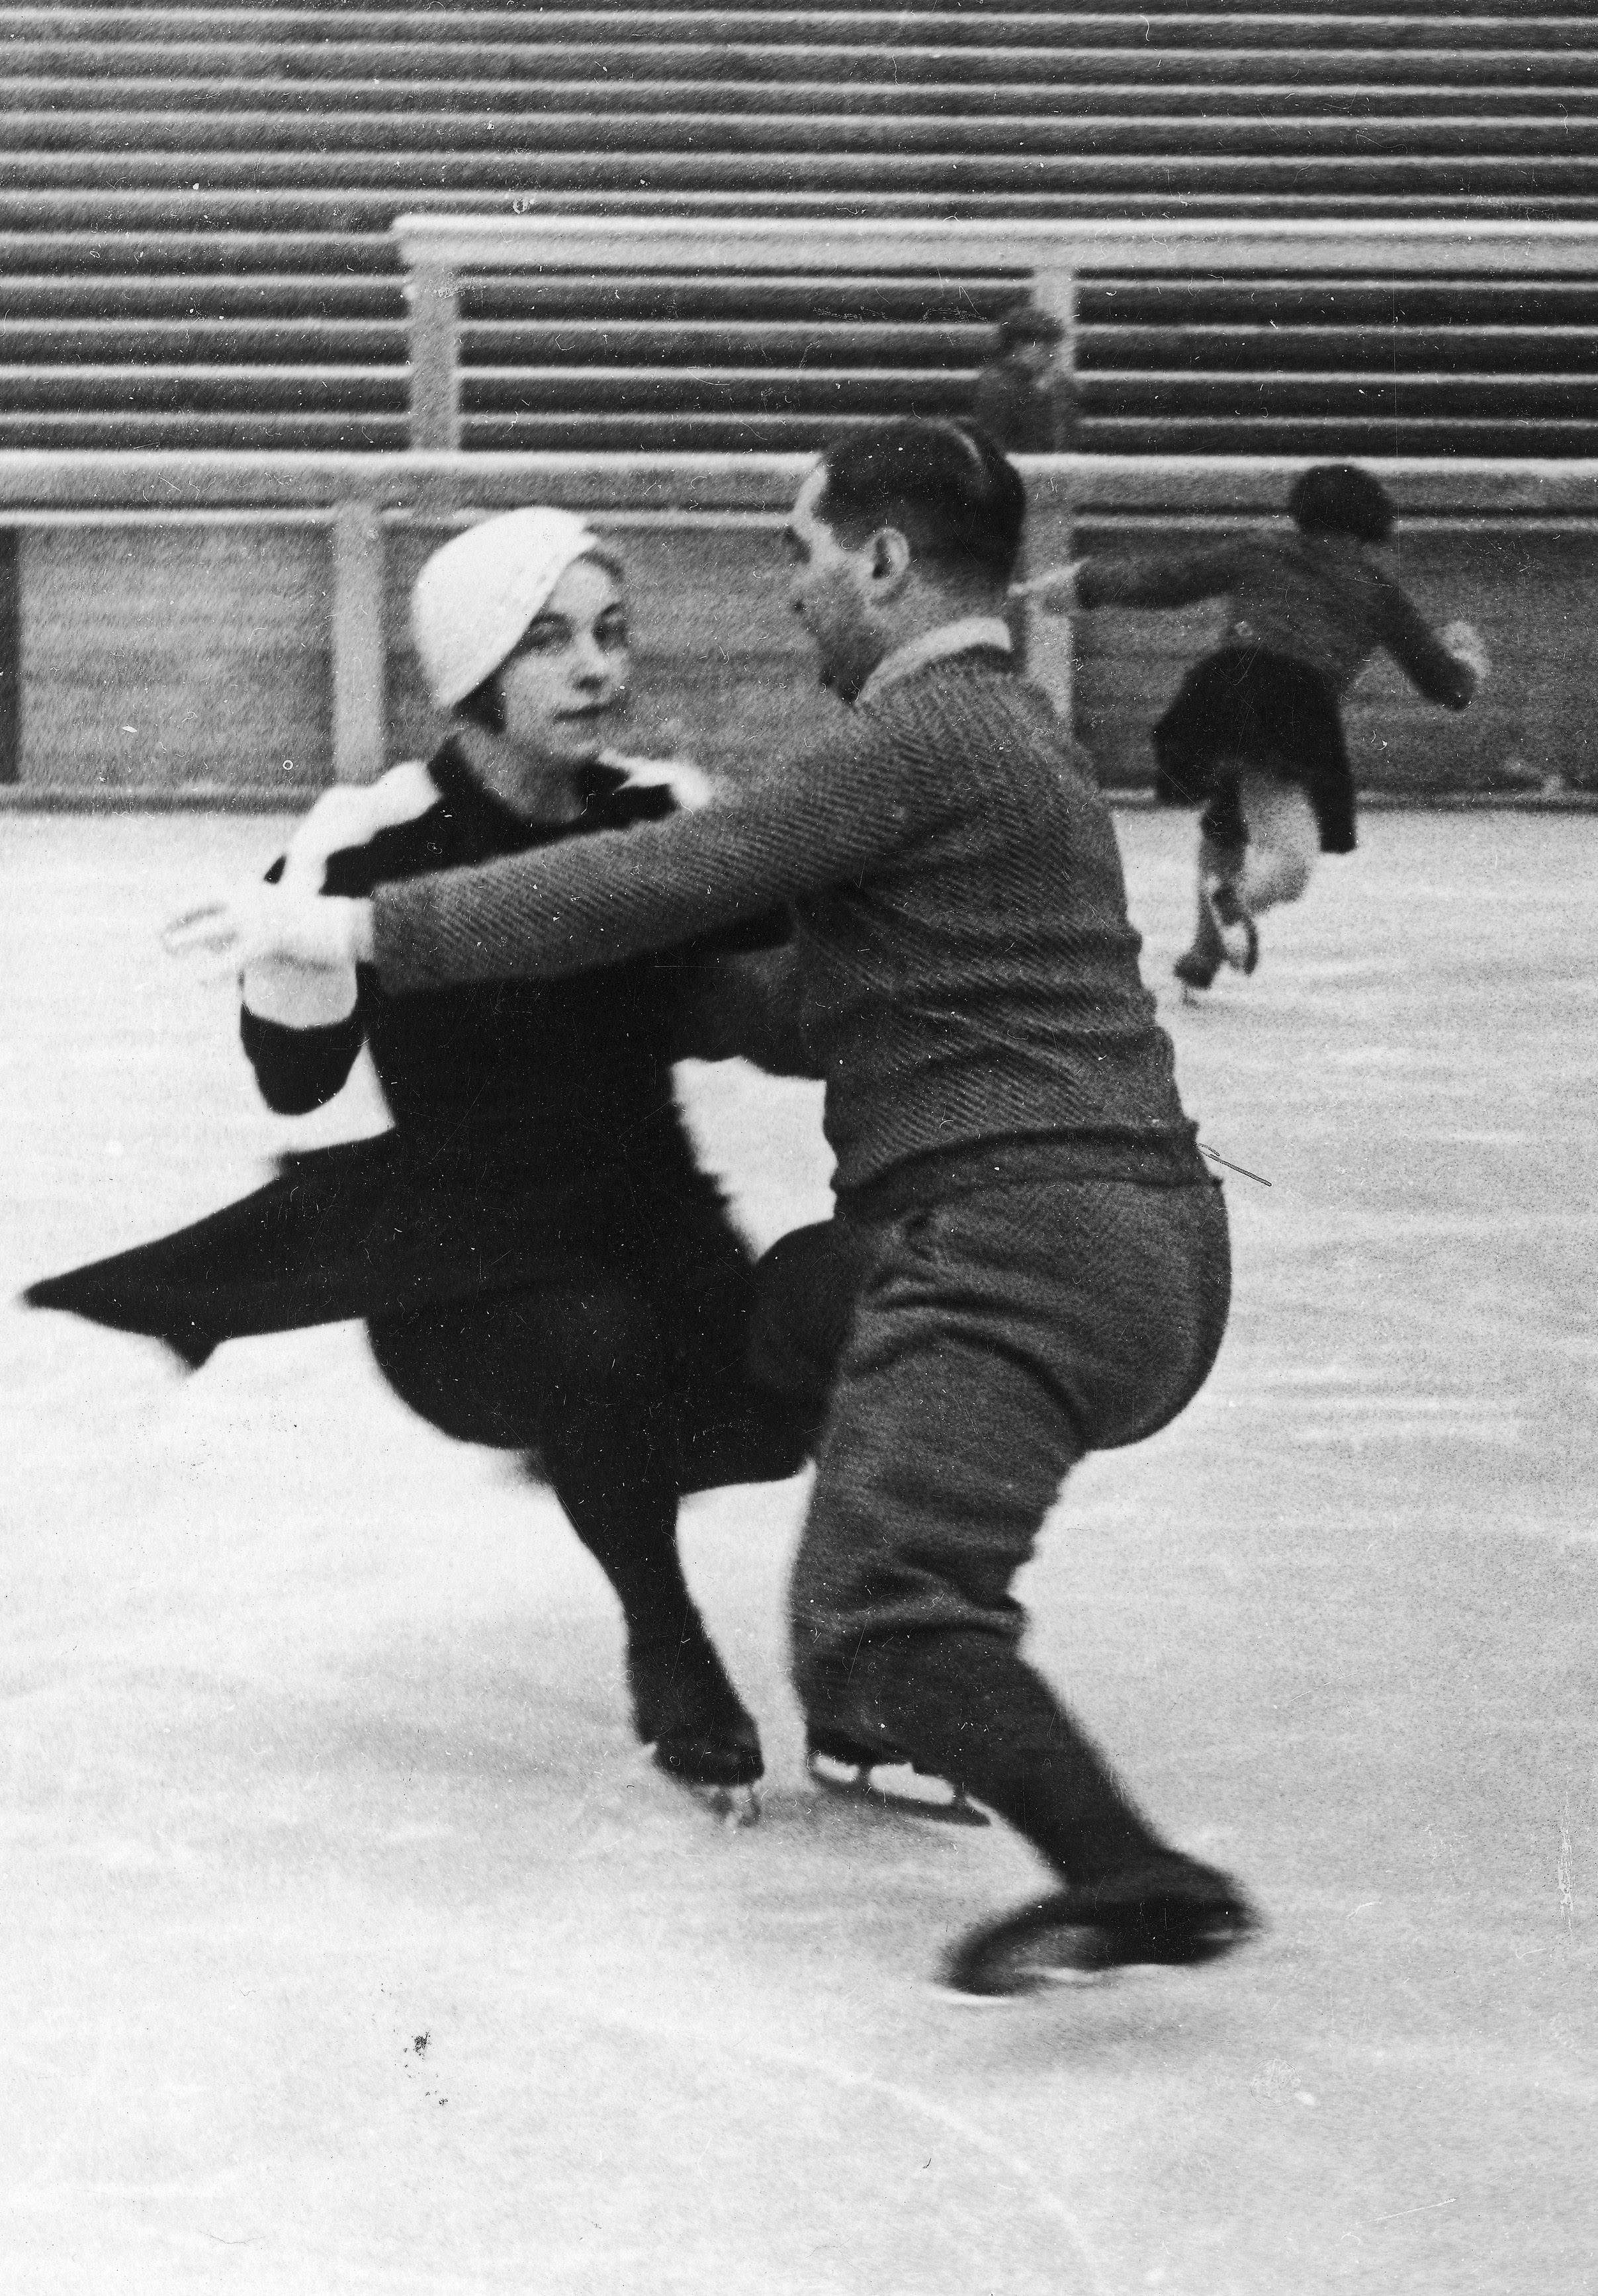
(35, 2186)
(1044, 2202)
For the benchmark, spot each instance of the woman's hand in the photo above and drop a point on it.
(265, 924)
(1465, 642)
(1054, 592)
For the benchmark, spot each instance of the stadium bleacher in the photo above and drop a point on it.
(195, 203)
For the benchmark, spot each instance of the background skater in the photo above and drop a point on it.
(1034, 1256)
(539, 1263)
(1255, 733)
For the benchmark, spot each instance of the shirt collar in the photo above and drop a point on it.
(964, 637)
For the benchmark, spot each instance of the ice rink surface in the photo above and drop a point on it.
(350, 1945)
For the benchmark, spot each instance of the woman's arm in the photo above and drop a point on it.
(302, 1029)
(298, 1069)
(741, 1007)
(1168, 577)
(1439, 672)
(1165, 578)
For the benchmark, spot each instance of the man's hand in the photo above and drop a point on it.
(265, 924)
(1054, 592)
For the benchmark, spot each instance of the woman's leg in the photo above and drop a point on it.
(1284, 841)
(1198, 964)
(1220, 936)
(733, 1423)
(1269, 858)
(578, 1380)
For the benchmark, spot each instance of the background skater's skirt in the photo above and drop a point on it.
(1245, 706)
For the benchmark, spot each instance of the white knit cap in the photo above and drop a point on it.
(474, 598)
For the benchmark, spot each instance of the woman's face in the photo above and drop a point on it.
(562, 688)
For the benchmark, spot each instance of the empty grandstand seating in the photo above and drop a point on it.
(194, 206)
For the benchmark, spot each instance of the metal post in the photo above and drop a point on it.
(433, 293)
(10, 655)
(1055, 291)
(359, 664)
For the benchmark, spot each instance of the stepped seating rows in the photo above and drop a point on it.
(194, 206)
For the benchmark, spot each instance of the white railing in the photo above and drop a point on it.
(438, 249)
(362, 501)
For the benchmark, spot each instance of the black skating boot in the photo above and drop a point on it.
(1194, 970)
(1172, 1911)
(689, 1715)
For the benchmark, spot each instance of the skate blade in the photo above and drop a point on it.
(1032, 1986)
(896, 1786)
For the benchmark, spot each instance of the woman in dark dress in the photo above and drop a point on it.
(1255, 734)
(538, 1262)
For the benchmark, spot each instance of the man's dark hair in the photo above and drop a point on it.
(1340, 498)
(946, 486)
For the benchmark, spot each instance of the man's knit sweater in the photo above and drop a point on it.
(966, 970)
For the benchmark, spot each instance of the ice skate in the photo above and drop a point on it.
(887, 1778)
(1198, 965)
(1174, 1913)
(688, 1715)
(1195, 971)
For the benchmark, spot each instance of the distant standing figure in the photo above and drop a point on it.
(1024, 399)
(1255, 733)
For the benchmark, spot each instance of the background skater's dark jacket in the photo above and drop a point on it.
(534, 1125)
(1317, 598)
(1305, 613)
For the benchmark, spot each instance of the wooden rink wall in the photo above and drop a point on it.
(232, 628)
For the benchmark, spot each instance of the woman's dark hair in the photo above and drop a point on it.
(485, 705)
(947, 486)
(1340, 498)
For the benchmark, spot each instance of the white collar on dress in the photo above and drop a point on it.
(963, 636)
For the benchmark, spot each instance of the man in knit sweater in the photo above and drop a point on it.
(1032, 1259)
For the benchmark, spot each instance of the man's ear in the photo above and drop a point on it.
(890, 561)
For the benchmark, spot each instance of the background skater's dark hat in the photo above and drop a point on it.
(1027, 324)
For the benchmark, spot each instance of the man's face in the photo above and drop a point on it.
(832, 591)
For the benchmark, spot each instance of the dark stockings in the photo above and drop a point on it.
(583, 1381)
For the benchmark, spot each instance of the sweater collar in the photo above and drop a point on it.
(986, 632)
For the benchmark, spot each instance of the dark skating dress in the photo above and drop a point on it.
(535, 1128)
